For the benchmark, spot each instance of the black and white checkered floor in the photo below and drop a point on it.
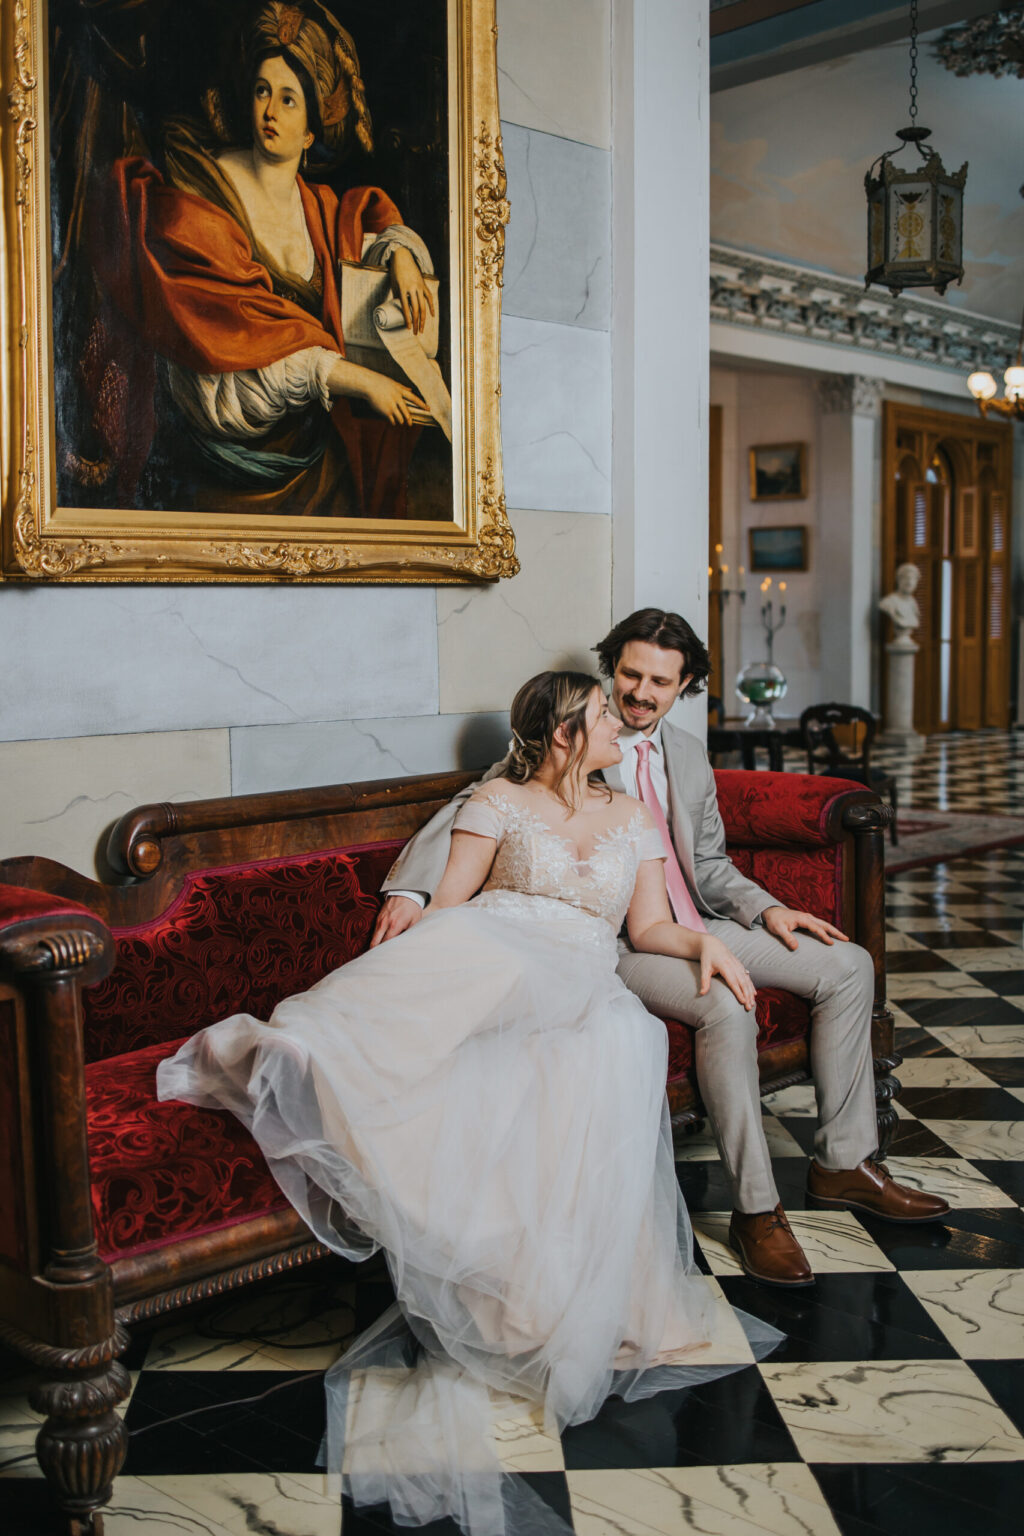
(897, 1402)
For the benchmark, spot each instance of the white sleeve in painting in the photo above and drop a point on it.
(246, 404)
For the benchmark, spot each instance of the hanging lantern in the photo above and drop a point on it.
(915, 217)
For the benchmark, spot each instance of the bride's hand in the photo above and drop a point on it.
(390, 399)
(410, 290)
(717, 960)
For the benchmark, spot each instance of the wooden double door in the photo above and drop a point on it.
(947, 485)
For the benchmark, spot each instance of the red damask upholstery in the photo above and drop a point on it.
(163, 1172)
(807, 879)
(775, 810)
(237, 939)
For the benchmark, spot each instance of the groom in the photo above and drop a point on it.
(653, 658)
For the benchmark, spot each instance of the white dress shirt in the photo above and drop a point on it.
(623, 775)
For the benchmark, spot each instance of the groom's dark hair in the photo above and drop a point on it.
(671, 632)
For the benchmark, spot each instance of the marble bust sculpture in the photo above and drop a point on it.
(901, 605)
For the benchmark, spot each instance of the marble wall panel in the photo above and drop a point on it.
(554, 67)
(268, 757)
(491, 639)
(59, 798)
(100, 660)
(556, 416)
(558, 251)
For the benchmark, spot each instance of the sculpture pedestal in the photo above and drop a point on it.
(899, 715)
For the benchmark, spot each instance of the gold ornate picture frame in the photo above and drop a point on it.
(141, 317)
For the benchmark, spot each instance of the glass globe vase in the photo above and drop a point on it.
(761, 684)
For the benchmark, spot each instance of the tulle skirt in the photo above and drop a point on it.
(483, 1099)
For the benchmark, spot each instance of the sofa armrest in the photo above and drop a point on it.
(50, 949)
(786, 810)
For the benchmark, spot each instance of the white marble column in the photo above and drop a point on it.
(848, 499)
(660, 233)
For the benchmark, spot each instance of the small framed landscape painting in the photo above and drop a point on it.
(778, 549)
(778, 472)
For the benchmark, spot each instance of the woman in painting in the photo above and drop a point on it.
(229, 267)
(483, 1099)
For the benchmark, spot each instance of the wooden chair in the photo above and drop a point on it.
(838, 739)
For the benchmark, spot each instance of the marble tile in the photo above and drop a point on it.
(980, 1039)
(776, 1499)
(145, 658)
(554, 67)
(928, 922)
(59, 799)
(138, 1504)
(940, 1072)
(798, 1102)
(555, 418)
(18, 1429)
(262, 1338)
(297, 1503)
(957, 1181)
(1001, 1139)
(898, 942)
(522, 1443)
(780, 1141)
(922, 984)
(982, 959)
(548, 616)
(834, 1242)
(267, 757)
(697, 1147)
(558, 249)
(891, 1411)
(981, 1312)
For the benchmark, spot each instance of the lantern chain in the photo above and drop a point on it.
(913, 63)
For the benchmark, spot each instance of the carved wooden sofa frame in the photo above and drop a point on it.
(65, 1304)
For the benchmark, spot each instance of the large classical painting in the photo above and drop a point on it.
(254, 255)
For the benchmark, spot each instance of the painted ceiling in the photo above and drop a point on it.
(789, 153)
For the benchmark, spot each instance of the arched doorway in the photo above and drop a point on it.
(947, 487)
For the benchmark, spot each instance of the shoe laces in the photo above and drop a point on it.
(779, 1220)
(878, 1167)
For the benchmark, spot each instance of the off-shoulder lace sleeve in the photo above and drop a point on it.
(650, 846)
(482, 815)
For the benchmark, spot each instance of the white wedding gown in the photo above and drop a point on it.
(483, 1099)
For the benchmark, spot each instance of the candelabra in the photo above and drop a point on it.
(771, 627)
(722, 593)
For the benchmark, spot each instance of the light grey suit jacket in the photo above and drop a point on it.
(717, 887)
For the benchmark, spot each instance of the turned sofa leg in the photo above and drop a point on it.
(867, 822)
(887, 1090)
(82, 1445)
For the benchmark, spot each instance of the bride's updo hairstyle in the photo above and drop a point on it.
(543, 704)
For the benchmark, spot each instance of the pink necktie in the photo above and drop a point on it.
(679, 897)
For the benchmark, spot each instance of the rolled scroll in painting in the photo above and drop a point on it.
(377, 336)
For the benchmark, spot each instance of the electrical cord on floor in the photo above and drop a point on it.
(233, 1402)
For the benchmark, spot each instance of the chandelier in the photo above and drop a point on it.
(984, 387)
(915, 217)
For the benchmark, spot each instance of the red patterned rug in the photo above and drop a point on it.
(932, 837)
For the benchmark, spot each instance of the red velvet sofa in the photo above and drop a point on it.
(116, 1208)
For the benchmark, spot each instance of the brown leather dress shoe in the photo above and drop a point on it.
(767, 1249)
(871, 1189)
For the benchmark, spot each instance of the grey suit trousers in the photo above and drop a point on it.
(838, 982)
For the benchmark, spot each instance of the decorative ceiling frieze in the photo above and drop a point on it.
(759, 292)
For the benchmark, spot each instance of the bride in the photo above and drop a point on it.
(482, 1098)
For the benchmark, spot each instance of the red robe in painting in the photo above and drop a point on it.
(180, 272)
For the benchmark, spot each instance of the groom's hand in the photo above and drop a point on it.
(396, 915)
(783, 923)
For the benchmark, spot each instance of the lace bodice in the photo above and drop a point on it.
(533, 860)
